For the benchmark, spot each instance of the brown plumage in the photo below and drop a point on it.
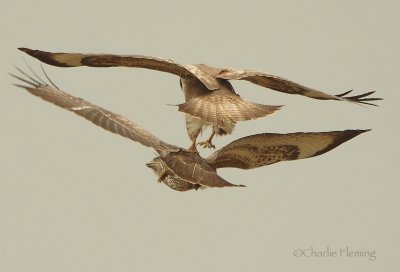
(184, 170)
(210, 99)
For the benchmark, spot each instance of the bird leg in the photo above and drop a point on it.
(207, 143)
(193, 137)
(192, 147)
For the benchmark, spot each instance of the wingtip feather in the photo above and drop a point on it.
(24, 49)
(360, 99)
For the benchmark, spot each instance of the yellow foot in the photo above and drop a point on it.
(206, 144)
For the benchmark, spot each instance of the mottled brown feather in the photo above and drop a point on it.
(192, 168)
(268, 148)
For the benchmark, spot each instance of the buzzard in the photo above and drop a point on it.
(210, 99)
(182, 169)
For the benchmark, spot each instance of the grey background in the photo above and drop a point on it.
(75, 198)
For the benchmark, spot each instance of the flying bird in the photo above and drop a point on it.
(182, 169)
(210, 99)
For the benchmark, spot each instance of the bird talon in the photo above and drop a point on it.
(206, 144)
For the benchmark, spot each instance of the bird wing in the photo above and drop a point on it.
(110, 60)
(286, 86)
(108, 120)
(268, 148)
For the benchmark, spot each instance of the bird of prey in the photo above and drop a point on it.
(182, 169)
(210, 99)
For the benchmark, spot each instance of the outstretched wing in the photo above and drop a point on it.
(286, 86)
(110, 60)
(264, 149)
(106, 119)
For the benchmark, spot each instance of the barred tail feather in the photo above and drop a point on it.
(222, 110)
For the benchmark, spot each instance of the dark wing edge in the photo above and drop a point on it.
(286, 86)
(111, 60)
(268, 148)
(108, 120)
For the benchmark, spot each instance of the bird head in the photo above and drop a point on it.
(156, 165)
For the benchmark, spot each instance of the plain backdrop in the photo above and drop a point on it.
(76, 198)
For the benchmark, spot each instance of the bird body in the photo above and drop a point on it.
(185, 170)
(221, 108)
